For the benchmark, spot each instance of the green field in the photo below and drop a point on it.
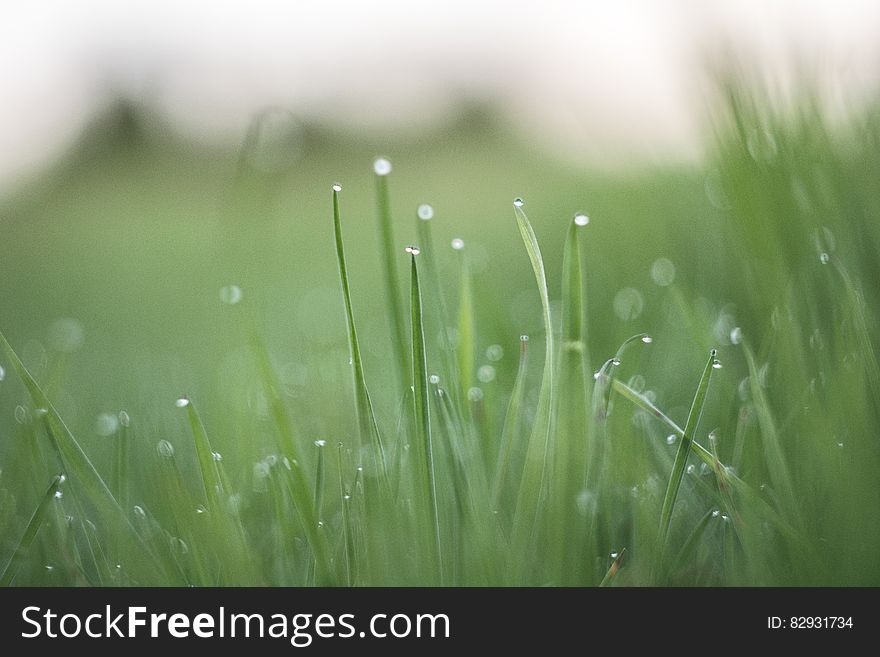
(116, 275)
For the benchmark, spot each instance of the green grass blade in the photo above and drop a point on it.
(303, 501)
(364, 406)
(347, 536)
(613, 569)
(382, 168)
(466, 347)
(512, 422)
(531, 489)
(82, 473)
(10, 569)
(208, 466)
(684, 450)
(690, 545)
(424, 438)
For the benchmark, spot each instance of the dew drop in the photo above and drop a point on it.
(49, 568)
(647, 339)
(58, 494)
(518, 202)
(434, 379)
(671, 438)
(715, 513)
(580, 219)
(614, 555)
(165, 449)
(346, 497)
(663, 272)
(230, 294)
(615, 362)
(62, 478)
(337, 187)
(320, 443)
(200, 509)
(217, 456)
(107, 424)
(124, 419)
(736, 335)
(458, 244)
(824, 258)
(840, 445)
(717, 364)
(713, 353)
(724, 517)
(495, 352)
(413, 250)
(21, 414)
(182, 402)
(691, 469)
(523, 338)
(139, 512)
(475, 394)
(381, 166)
(425, 212)
(2, 373)
(178, 545)
(486, 373)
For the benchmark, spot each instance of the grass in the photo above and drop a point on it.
(479, 447)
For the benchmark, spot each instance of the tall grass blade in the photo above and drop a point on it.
(684, 450)
(613, 569)
(367, 424)
(424, 439)
(512, 423)
(10, 569)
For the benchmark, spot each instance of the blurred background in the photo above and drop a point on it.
(165, 173)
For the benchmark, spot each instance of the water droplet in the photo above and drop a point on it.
(518, 202)
(61, 479)
(413, 250)
(320, 524)
(139, 512)
(736, 335)
(200, 509)
(614, 555)
(425, 212)
(691, 469)
(107, 424)
(66, 335)
(724, 517)
(494, 352)
(523, 338)
(647, 339)
(217, 456)
(715, 513)
(475, 394)
(663, 272)
(717, 364)
(434, 379)
(671, 438)
(628, 303)
(486, 373)
(124, 419)
(2, 373)
(580, 219)
(49, 568)
(840, 445)
(178, 545)
(346, 497)
(381, 166)
(41, 412)
(824, 258)
(182, 402)
(58, 494)
(713, 352)
(320, 443)
(596, 375)
(21, 414)
(230, 294)
(272, 460)
(615, 362)
(457, 244)
(337, 187)
(286, 462)
(165, 449)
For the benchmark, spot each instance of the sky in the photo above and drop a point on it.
(601, 81)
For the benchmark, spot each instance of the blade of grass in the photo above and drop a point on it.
(684, 450)
(382, 168)
(208, 466)
(347, 538)
(512, 423)
(83, 474)
(613, 569)
(531, 488)
(363, 405)
(424, 439)
(466, 330)
(10, 569)
(301, 495)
